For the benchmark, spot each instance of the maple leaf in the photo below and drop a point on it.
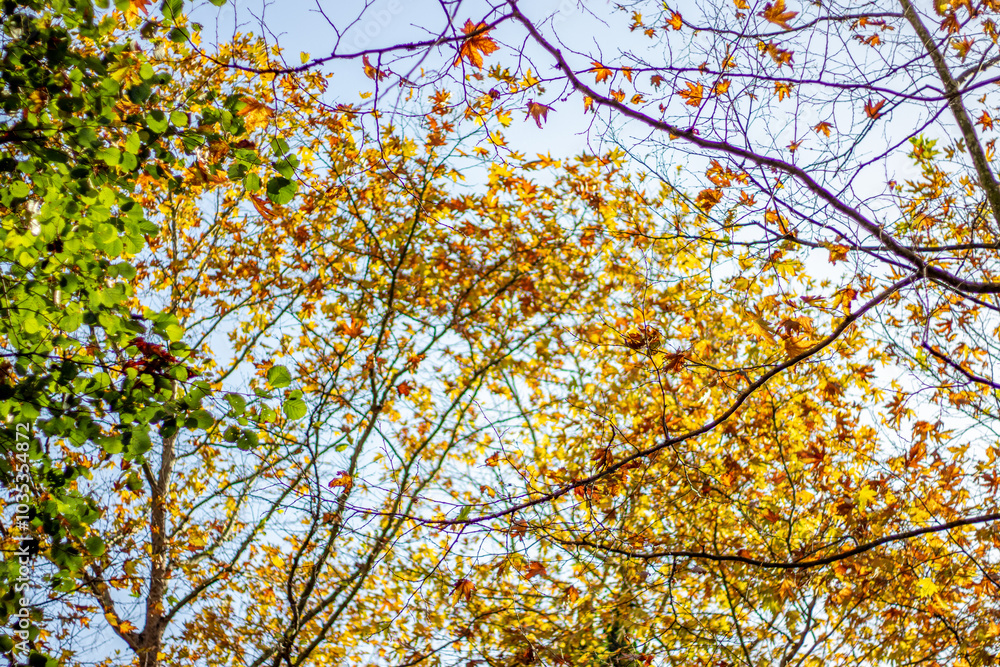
(464, 588)
(404, 388)
(823, 127)
(255, 112)
(475, 47)
(706, 199)
(962, 47)
(794, 146)
(721, 87)
(675, 22)
(782, 89)
(837, 252)
(538, 111)
(140, 5)
(656, 80)
(494, 460)
(926, 587)
(601, 73)
(352, 330)
(986, 121)
(693, 95)
(872, 108)
(534, 568)
(776, 13)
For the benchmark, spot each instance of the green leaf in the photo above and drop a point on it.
(278, 377)
(156, 120)
(237, 403)
(174, 332)
(94, 546)
(295, 408)
(280, 190)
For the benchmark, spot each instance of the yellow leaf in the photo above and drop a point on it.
(693, 95)
(823, 127)
(926, 587)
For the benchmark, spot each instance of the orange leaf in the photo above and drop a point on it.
(139, 5)
(706, 199)
(675, 22)
(475, 47)
(537, 111)
(494, 460)
(782, 90)
(776, 13)
(872, 108)
(404, 388)
(534, 567)
(656, 80)
(986, 121)
(837, 252)
(353, 329)
(262, 207)
(601, 73)
(373, 72)
(342, 479)
(721, 87)
(693, 95)
(823, 127)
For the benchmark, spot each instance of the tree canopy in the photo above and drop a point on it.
(301, 375)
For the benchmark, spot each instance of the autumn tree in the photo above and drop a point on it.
(719, 393)
(801, 468)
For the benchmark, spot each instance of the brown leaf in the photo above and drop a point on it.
(534, 567)
(537, 111)
(777, 14)
(464, 588)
